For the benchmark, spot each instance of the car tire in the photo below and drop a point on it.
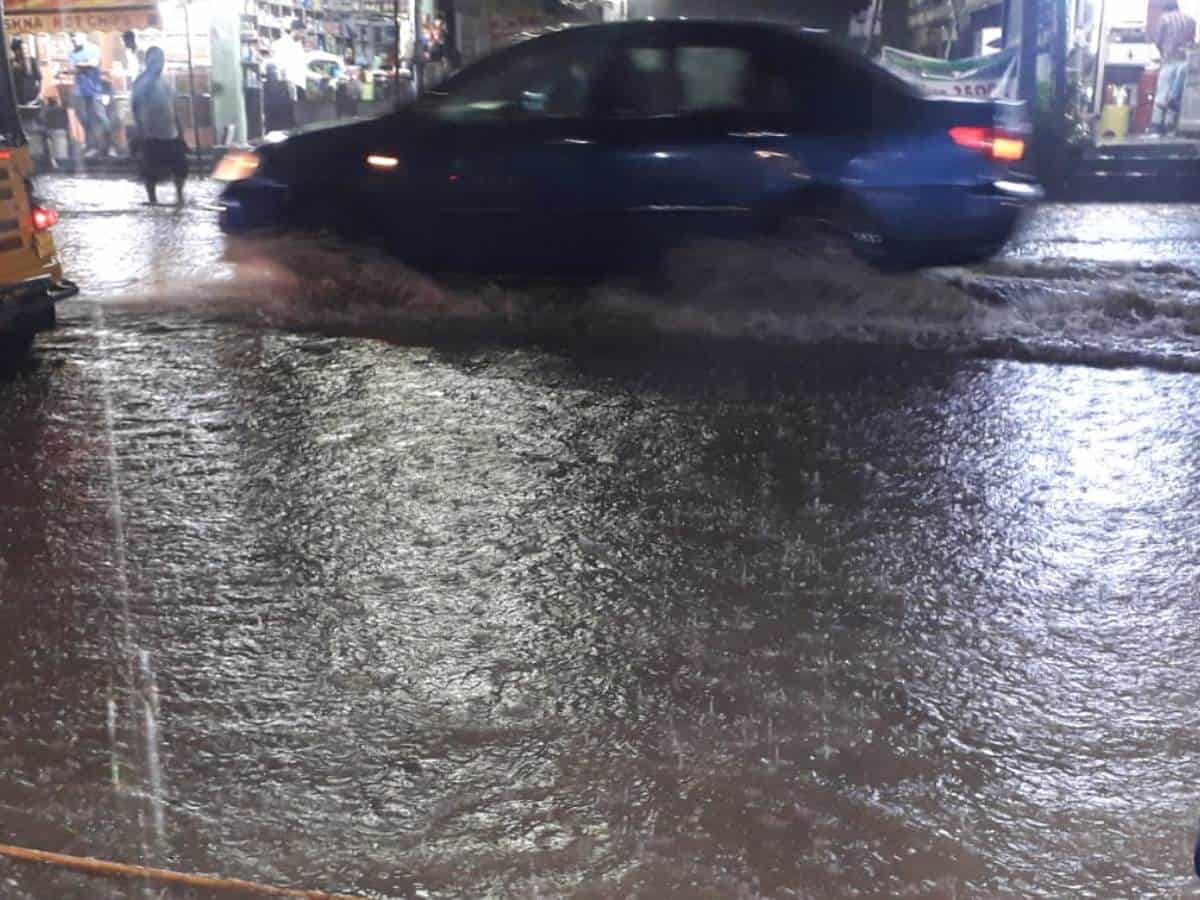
(873, 243)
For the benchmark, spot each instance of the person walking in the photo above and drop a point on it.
(163, 150)
(89, 97)
(1175, 33)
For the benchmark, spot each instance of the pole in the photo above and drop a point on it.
(418, 66)
(1060, 62)
(187, 27)
(1101, 58)
(1029, 54)
(396, 48)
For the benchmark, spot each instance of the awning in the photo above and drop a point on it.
(51, 16)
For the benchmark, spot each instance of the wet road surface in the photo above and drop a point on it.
(791, 581)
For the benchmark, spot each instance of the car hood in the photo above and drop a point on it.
(322, 152)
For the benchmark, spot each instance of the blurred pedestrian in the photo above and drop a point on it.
(27, 76)
(89, 96)
(278, 111)
(27, 85)
(1176, 32)
(291, 61)
(134, 58)
(349, 92)
(163, 150)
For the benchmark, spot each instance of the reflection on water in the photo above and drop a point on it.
(495, 622)
(632, 616)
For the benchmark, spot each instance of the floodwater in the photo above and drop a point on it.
(782, 580)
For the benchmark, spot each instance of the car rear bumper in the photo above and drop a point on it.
(981, 213)
(1016, 190)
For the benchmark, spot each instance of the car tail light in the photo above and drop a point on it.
(44, 218)
(991, 143)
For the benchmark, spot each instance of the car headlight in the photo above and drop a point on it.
(237, 165)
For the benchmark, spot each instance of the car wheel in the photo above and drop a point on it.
(872, 242)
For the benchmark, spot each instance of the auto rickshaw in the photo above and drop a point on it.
(31, 276)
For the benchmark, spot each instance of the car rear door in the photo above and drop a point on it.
(694, 123)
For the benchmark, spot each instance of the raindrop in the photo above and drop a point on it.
(114, 762)
(153, 763)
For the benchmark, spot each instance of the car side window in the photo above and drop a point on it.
(689, 79)
(552, 84)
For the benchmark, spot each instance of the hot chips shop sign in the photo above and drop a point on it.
(52, 16)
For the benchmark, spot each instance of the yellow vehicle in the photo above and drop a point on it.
(31, 276)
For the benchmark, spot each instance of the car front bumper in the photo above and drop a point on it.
(253, 204)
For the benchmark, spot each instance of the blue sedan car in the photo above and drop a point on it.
(600, 146)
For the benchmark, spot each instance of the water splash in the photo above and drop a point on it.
(785, 291)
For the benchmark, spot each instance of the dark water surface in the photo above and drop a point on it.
(603, 606)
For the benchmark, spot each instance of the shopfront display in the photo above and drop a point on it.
(217, 54)
(1115, 64)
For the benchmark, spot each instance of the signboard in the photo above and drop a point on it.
(51, 16)
(994, 75)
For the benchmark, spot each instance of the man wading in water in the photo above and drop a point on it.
(161, 140)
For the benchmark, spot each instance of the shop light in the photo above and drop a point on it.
(381, 161)
(44, 218)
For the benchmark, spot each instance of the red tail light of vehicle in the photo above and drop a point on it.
(44, 218)
(991, 143)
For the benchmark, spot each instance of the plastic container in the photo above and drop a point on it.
(1115, 120)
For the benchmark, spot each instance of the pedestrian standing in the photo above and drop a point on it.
(134, 58)
(349, 92)
(164, 152)
(278, 109)
(1176, 32)
(27, 85)
(89, 97)
(27, 76)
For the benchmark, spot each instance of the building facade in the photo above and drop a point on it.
(955, 28)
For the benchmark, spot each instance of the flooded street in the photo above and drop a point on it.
(782, 580)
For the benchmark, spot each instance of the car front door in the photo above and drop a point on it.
(517, 147)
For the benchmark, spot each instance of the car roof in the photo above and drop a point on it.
(684, 25)
(683, 28)
(708, 28)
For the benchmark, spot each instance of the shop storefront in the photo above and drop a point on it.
(201, 56)
(1118, 66)
(1105, 65)
(217, 55)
